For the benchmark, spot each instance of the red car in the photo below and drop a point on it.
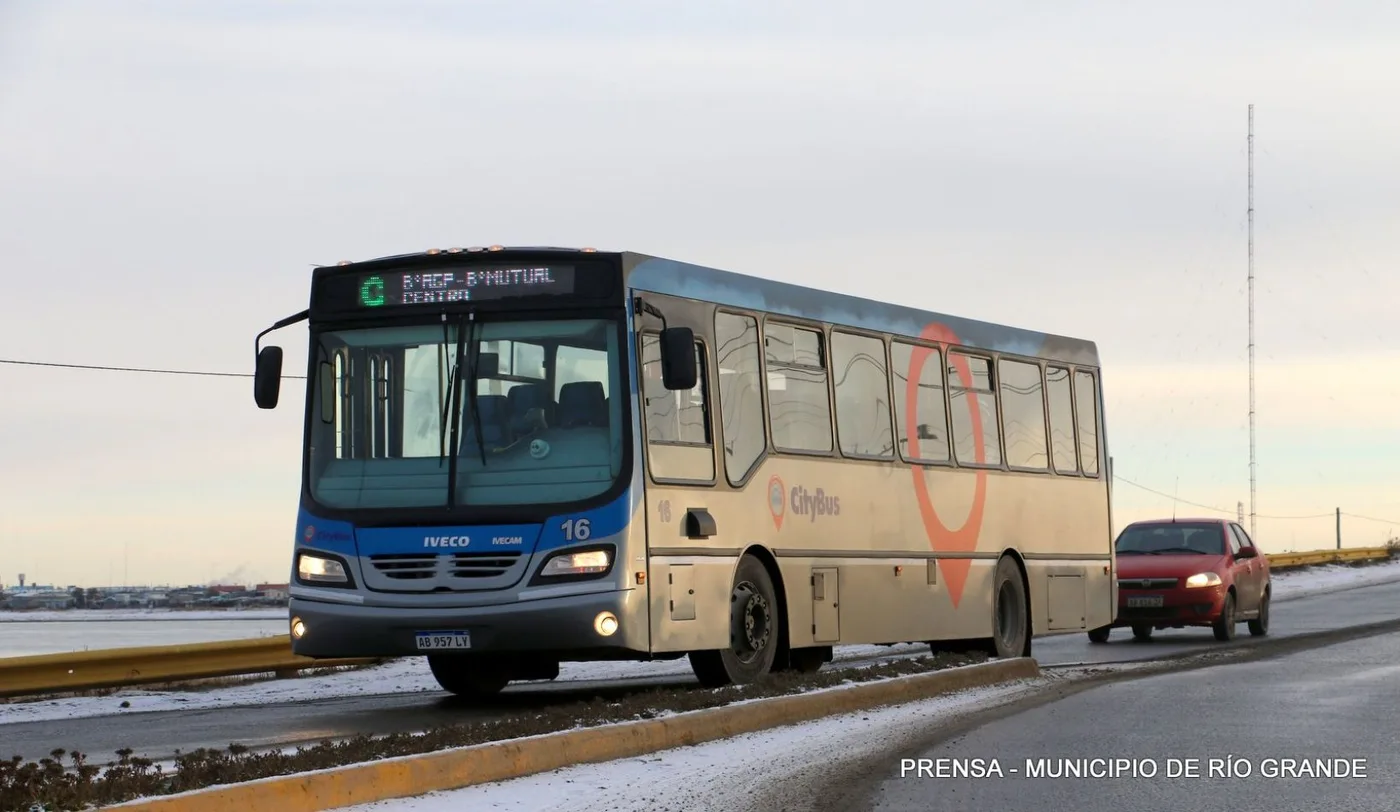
(1174, 573)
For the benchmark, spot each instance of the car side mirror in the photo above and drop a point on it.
(1247, 552)
(679, 370)
(267, 378)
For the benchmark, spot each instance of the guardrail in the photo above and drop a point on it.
(125, 667)
(1312, 558)
(120, 668)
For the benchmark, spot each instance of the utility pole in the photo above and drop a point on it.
(1251, 325)
(1339, 528)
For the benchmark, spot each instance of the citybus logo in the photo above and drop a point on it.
(777, 500)
(808, 503)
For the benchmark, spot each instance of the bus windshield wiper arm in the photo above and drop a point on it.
(471, 387)
(456, 418)
(444, 393)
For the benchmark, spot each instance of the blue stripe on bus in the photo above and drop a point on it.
(563, 530)
(753, 293)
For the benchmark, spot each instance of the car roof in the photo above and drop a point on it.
(1182, 520)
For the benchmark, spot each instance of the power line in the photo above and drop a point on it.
(1371, 518)
(149, 370)
(1214, 508)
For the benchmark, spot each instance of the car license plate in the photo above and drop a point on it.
(437, 641)
(1144, 601)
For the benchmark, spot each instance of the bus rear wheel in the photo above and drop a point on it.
(1011, 630)
(470, 675)
(753, 631)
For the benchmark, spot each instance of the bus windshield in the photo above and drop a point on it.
(539, 416)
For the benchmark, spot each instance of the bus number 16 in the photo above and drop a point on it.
(577, 530)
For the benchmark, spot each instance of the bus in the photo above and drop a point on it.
(517, 457)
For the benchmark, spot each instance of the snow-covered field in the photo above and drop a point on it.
(412, 675)
(108, 615)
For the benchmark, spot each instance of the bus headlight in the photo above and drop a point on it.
(586, 562)
(1203, 579)
(320, 570)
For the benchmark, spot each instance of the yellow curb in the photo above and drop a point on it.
(409, 776)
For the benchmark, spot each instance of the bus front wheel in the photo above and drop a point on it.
(470, 676)
(753, 631)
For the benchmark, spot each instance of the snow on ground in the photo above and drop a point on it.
(102, 615)
(412, 675)
(1293, 584)
(723, 774)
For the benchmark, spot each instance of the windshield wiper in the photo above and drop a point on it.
(1176, 550)
(472, 370)
(455, 402)
(445, 393)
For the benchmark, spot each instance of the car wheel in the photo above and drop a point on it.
(1142, 631)
(1225, 626)
(1260, 625)
(1100, 635)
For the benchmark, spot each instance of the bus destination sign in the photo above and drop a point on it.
(466, 284)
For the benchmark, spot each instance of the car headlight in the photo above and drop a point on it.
(1203, 579)
(590, 562)
(316, 569)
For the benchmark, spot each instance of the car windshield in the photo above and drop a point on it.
(540, 420)
(1170, 538)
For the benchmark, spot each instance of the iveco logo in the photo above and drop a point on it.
(446, 541)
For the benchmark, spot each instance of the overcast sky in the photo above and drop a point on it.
(170, 172)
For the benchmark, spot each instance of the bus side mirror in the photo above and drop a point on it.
(267, 378)
(678, 368)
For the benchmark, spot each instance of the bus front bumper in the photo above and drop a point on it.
(564, 625)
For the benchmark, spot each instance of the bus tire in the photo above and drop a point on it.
(470, 676)
(754, 616)
(1011, 615)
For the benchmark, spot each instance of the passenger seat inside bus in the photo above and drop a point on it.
(521, 400)
(493, 410)
(582, 403)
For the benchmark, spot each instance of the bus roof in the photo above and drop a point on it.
(670, 277)
(665, 276)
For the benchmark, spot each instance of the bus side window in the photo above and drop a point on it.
(740, 398)
(1086, 407)
(929, 441)
(677, 422)
(862, 396)
(1023, 412)
(1061, 420)
(801, 408)
(973, 401)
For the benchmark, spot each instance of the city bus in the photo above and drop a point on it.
(517, 457)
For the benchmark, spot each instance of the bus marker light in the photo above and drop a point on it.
(641, 578)
(298, 628)
(898, 570)
(497, 248)
(605, 624)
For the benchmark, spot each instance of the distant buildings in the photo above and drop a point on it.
(30, 597)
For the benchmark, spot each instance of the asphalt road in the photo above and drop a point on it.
(159, 735)
(1336, 703)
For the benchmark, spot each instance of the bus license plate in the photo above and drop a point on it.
(1144, 601)
(437, 641)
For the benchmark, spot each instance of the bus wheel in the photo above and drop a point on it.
(1011, 630)
(753, 631)
(470, 676)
